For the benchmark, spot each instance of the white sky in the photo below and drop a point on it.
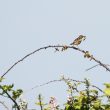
(26, 25)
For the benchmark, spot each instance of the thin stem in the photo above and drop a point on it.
(95, 66)
(5, 106)
(87, 92)
(53, 46)
(9, 96)
(60, 80)
(40, 101)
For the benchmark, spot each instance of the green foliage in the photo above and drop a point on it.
(7, 87)
(9, 92)
(1, 79)
(87, 99)
(107, 90)
(81, 94)
(16, 93)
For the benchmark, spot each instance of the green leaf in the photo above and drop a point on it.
(1, 79)
(17, 93)
(97, 104)
(107, 91)
(7, 87)
(68, 107)
(107, 85)
(94, 91)
(40, 103)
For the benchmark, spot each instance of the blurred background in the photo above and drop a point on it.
(27, 25)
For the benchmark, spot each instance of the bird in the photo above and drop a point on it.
(78, 40)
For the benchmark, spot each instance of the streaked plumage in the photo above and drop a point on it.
(78, 40)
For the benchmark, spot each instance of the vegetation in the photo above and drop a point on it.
(82, 95)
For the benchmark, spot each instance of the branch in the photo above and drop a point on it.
(9, 96)
(98, 88)
(40, 102)
(54, 46)
(52, 81)
(95, 66)
(59, 80)
(92, 67)
(5, 106)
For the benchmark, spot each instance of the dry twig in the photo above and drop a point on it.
(9, 96)
(60, 80)
(5, 106)
(55, 46)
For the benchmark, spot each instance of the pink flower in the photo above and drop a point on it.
(53, 103)
(69, 99)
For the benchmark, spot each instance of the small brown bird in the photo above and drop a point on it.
(78, 40)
